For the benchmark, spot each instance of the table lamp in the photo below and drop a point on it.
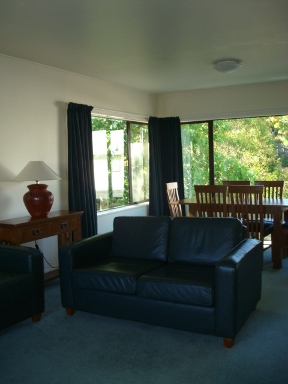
(38, 200)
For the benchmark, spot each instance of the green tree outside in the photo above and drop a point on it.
(244, 149)
(135, 182)
(109, 125)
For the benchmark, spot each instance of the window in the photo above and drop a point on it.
(121, 162)
(139, 161)
(248, 148)
(195, 153)
(243, 149)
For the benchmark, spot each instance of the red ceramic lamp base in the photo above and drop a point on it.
(38, 201)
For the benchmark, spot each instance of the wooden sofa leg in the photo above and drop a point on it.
(70, 311)
(228, 343)
(36, 318)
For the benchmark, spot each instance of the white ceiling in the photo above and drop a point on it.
(154, 45)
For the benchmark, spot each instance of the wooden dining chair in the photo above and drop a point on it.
(273, 189)
(247, 206)
(211, 200)
(236, 182)
(173, 199)
(279, 186)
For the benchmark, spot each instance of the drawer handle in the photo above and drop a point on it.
(36, 232)
(64, 225)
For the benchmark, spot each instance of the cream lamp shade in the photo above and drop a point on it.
(36, 171)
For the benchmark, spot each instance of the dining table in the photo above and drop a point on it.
(278, 208)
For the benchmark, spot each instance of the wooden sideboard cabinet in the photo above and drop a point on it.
(65, 224)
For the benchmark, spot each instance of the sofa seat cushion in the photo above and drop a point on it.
(117, 275)
(181, 283)
(15, 287)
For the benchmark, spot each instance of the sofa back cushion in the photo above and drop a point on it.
(203, 240)
(144, 237)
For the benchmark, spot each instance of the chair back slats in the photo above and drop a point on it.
(247, 206)
(273, 189)
(211, 200)
(175, 208)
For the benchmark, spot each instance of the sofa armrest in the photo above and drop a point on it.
(84, 252)
(26, 260)
(21, 259)
(79, 254)
(238, 286)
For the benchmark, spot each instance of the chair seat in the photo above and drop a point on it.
(268, 225)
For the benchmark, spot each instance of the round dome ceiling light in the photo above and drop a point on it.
(226, 66)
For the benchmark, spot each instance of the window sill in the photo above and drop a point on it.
(121, 210)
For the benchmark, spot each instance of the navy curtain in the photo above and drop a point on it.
(81, 184)
(166, 164)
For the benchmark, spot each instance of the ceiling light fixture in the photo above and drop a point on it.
(226, 66)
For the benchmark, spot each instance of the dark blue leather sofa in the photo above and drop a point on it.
(193, 274)
(21, 284)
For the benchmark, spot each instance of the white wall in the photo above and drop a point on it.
(223, 103)
(33, 105)
(105, 218)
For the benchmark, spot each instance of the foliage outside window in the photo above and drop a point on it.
(244, 149)
(121, 161)
(195, 153)
(139, 161)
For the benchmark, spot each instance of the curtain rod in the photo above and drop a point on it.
(110, 113)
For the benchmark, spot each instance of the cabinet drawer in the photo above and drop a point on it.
(34, 233)
(64, 226)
